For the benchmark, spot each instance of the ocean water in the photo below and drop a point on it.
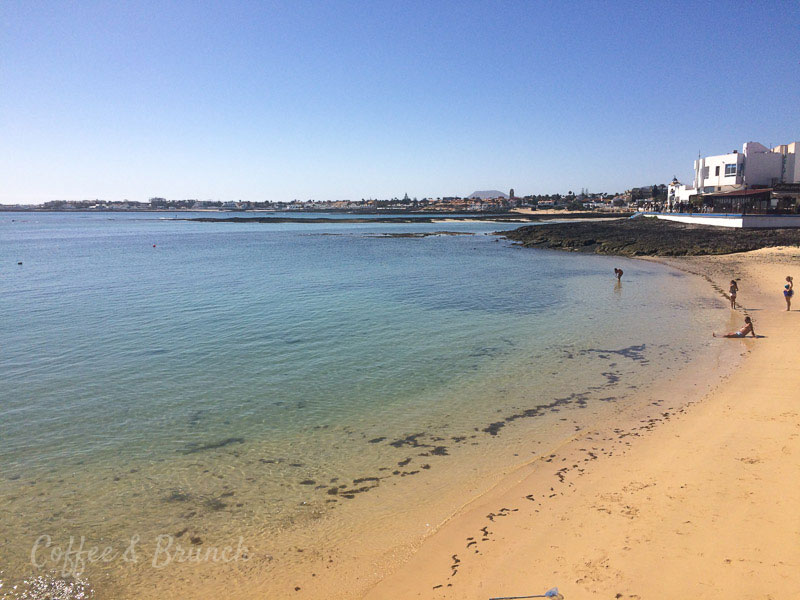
(216, 381)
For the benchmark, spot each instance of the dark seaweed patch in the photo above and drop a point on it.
(493, 428)
(214, 504)
(195, 447)
(409, 440)
(363, 479)
(635, 353)
(177, 496)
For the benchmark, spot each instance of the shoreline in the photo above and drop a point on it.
(691, 503)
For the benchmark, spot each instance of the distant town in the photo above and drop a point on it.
(757, 180)
(489, 201)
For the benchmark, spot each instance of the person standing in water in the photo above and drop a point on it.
(788, 292)
(618, 273)
(748, 328)
(733, 289)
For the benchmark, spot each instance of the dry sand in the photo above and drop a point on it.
(701, 502)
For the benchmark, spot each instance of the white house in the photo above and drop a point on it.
(678, 193)
(755, 165)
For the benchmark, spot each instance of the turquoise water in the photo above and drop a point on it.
(141, 352)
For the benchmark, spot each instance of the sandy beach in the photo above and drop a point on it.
(700, 502)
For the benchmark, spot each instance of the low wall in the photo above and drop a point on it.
(737, 221)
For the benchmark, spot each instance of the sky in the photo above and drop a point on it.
(347, 100)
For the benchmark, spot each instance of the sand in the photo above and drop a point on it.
(700, 502)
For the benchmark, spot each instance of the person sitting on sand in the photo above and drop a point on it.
(748, 328)
(733, 289)
(788, 292)
(618, 273)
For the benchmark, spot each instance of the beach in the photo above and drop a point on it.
(700, 502)
(483, 437)
(323, 399)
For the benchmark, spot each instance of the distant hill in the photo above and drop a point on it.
(488, 194)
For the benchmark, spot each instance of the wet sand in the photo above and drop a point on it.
(699, 502)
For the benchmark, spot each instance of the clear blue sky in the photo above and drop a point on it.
(326, 100)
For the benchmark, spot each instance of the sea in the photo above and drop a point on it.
(303, 393)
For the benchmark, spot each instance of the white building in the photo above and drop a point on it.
(678, 193)
(755, 166)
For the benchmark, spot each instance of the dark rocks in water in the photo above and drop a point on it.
(403, 463)
(377, 440)
(439, 451)
(194, 447)
(409, 440)
(177, 496)
(493, 428)
(537, 411)
(196, 540)
(349, 493)
(650, 237)
(214, 504)
(611, 378)
(308, 482)
(364, 479)
(635, 353)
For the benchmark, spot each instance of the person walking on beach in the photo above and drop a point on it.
(733, 289)
(618, 273)
(788, 292)
(748, 328)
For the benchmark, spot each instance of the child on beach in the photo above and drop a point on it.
(748, 328)
(733, 289)
(788, 292)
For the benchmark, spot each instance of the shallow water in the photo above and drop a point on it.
(219, 380)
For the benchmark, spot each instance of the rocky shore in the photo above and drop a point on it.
(650, 237)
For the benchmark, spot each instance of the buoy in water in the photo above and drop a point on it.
(19, 263)
(154, 245)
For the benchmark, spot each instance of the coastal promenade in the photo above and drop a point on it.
(700, 502)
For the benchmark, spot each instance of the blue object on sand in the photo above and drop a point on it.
(551, 593)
